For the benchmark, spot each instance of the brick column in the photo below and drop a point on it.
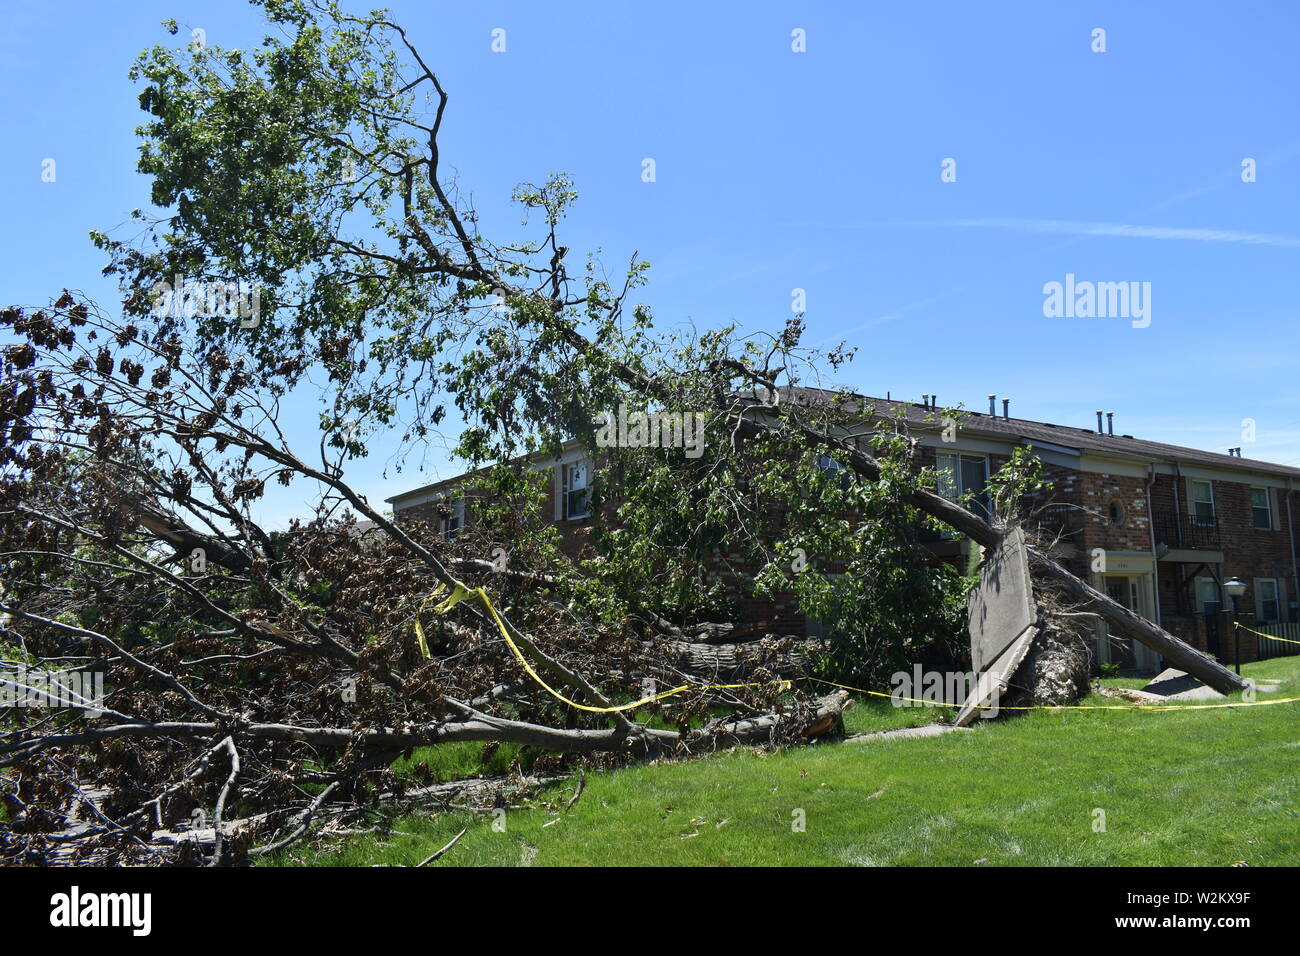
(1230, 639)
(1249, 641)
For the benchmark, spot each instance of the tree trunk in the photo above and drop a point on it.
(1178, 653)
(729, 662)
(1056, 670)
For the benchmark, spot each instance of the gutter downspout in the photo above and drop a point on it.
(1178, 518)
(1178, 504)
(1290, 527)
(1155, 558)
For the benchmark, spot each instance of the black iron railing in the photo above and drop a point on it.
(1186, 531)
(1063, 521)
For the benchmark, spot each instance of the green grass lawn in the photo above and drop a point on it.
(1177, 788)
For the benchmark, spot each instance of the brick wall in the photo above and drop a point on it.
(1249, 553)
(1098, 493)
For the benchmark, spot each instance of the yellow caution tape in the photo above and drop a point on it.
(419, 629)
(460, 592)
(1271, 637)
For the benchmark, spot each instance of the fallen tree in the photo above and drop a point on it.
(547, 356)
(130, 551)
(246, 664)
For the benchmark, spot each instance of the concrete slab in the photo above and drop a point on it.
(928, 730)
(992, 684)
(1001, 608)
(1196, 693)
(1173, 684)
(1133, 696)
(1002, 618)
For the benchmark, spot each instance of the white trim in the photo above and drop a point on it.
(1093, 464)
(564, 471)
(1140, 585)
(1259, 598)
(1135, 466)
(1196, 594)
(1272, 509)
(403, 502)
(968, 445)
(1192, 502)
(1242, 477)
(457, 513)
(958, 454)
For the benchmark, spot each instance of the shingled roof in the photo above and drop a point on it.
(1019, 430)
(1024, 430)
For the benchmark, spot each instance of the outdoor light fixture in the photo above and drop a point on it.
(1235, 588)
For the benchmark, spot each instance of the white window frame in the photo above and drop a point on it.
(567, 489)
(1192, 501)
(1259, 600)
(452, 525)
(957, 455)
(1200, 604)
(1268, 505)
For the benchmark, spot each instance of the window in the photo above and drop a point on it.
(1116, 513)
(1261, 509)
(816, 630)
(1207, 595)
(452, 524)
(965, 474)
(828, 465)
(831, 468)
(1202, 504)
(1267, 606)
(577, 478)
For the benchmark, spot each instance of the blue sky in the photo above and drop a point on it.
(820, 171)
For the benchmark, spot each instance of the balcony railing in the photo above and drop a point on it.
(1064, 521)
(1186, 531)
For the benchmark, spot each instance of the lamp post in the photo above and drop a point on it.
(1235, 588)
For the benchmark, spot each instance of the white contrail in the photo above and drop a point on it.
(1076, 228)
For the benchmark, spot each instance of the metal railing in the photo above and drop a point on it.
(1186, 531)
(1064, 521)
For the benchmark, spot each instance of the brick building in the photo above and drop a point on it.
(1159, 528)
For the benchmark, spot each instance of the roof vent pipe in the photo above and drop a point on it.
(934, 401)
(993, 405)
(1100, 431)
(1110, 423)
(925, 400)
(1006, 409)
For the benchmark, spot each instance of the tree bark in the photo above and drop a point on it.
(1179, 653)
(482, 728)
(725, 662)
